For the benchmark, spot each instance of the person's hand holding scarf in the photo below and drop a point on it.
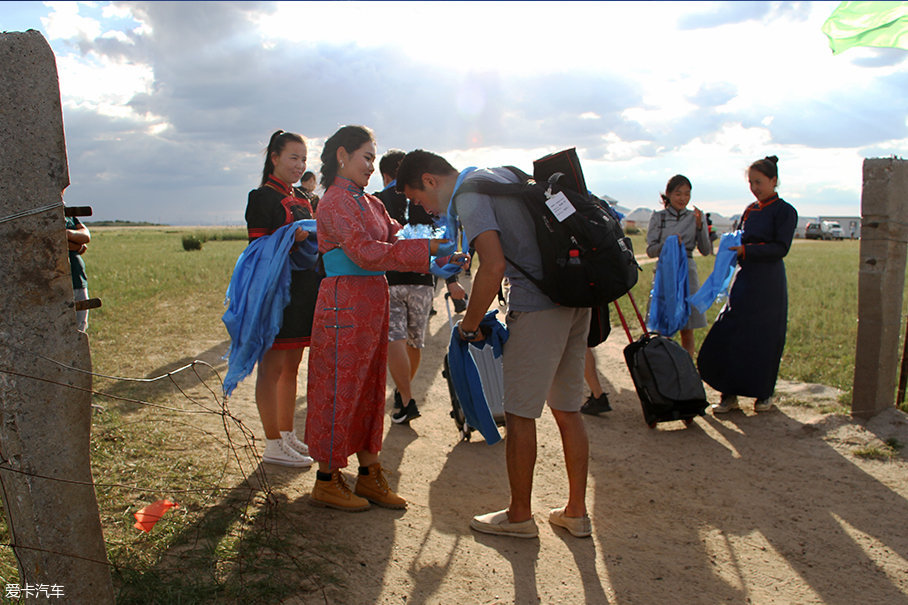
(447, 266)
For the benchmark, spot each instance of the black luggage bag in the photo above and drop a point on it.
(665, 377)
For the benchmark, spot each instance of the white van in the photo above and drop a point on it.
(833, 229)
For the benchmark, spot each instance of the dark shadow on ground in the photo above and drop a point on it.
(721, 478)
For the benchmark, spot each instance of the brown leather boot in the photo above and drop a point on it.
(334, 493)
(374, 487)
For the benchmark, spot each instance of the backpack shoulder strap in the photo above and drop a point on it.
(495, 188)
(523, 176)
(490, 187)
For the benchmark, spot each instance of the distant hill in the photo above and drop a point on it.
(119, 223)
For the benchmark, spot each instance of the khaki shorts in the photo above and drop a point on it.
(543, 360)
(410, 306)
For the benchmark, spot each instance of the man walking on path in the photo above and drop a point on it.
(544, 355)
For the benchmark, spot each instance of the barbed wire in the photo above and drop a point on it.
(241, 451)
(103, 394)
(119, 378)
(24, 213)
(224, 411)
(167, 375)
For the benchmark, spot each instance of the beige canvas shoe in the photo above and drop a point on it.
(580, 527)
(498, 524)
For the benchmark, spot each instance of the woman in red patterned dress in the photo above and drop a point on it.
(349, 350)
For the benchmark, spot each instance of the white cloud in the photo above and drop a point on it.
(103, 85)
(65, 22)
(118, 36)
(165, 92)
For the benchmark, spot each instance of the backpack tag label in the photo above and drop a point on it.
(560, 206)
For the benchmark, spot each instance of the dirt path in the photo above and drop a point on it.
(774, 508)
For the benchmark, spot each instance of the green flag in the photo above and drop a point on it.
(867, 24)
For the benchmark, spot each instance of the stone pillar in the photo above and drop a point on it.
(45, 423)
(884, 232)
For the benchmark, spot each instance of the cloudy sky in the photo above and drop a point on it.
(168, 107)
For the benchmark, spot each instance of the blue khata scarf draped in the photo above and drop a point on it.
(716, 285)
(258, 292)
(669, 310)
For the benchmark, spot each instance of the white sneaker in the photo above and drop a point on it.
(293, 441)
(727, 404)
(278, 452)
(763, 405)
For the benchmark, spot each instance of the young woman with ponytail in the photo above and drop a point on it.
(275, 204)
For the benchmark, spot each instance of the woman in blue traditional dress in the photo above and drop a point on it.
(742, 351)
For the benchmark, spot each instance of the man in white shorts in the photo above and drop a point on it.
(544, 355)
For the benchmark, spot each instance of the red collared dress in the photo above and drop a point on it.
(270, 207)
(349, 350)
(742, 351)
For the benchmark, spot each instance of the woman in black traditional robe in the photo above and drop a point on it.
(742, 351)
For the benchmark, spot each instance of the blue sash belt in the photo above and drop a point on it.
(338, 263)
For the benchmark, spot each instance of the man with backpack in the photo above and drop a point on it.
(544, 356)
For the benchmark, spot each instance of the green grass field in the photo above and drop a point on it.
(156, 295)
(163, 304)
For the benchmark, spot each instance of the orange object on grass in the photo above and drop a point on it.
(151, 514)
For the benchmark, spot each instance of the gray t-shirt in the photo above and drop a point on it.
(511, 219)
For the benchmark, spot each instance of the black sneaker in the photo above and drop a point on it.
(398, 402)
(406, 413)
(595, 406)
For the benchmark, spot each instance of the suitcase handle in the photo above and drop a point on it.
(624, 321)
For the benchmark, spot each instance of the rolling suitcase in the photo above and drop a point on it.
(665, 377)
(479, 381)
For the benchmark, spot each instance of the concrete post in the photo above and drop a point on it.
(45, 471)
(884, 233)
